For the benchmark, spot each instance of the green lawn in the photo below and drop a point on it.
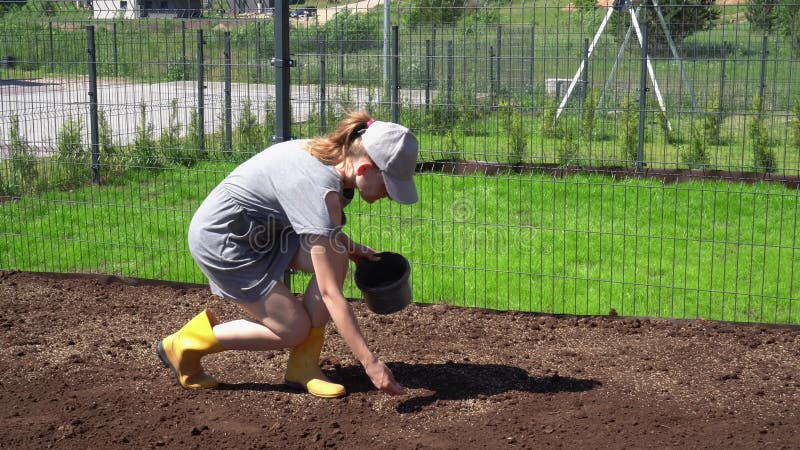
(579, 245)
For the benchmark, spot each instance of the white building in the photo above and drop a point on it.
(134, 9)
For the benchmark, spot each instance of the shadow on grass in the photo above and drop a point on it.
(443, 381)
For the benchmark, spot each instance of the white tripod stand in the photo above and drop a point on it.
(622, 6)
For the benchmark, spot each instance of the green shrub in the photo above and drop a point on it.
(145, 152)
(270, 121)
(534, 97)
(24, 165)
(170, 141)
(6, 190)
(589, 115)
(763, 155)
(344, 102)
(671, 136)
(762, 14)
(712, 121)
(567, 149)
(481, 18)
(109, 156)
(348, 31)
(590, 14)
(630, 131)
(517, 134)
(424, 12)
(441, 116)
(549, 124)
(789, 24)
(414, 117)
(191, 143)
(796, 123)
(73, 156)
(250, 136)
(683, 17)
(695, 156)
(455, 150)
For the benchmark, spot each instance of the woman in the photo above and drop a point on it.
(283, 209)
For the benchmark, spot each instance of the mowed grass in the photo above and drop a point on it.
(576, 245)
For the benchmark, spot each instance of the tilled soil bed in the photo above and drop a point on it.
(78, 370)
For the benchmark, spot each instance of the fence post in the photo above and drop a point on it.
(52, 50)
(201, 132)
(323, 50)
(763, 79)
(722, 74)
(282, 63)
(533, 42)
(642, 95)
(450, 81)
(341, 60)
(427, 75)
(183, 50)
(35, 48)
(720, 103)
(228, 115)
(386, 21)
(114, 50)
(433, 56)
(497, 56)
(93, 133)
(585, 74)
(491, 75)
(395, 72)
(258, 52)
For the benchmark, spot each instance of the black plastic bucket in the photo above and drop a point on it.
(384, 284)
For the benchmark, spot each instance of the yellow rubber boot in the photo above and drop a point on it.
(182, 351)
(303, 372)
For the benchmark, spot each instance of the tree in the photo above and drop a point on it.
(762, 14)
(789, 23)
(683, 18)
(425, 12)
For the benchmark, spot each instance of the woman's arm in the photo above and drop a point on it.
(355, 251)
(326, 256)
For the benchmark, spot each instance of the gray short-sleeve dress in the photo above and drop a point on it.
(247, 230)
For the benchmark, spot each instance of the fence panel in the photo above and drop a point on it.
(549, 180)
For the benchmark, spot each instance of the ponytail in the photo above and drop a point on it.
(336, 146)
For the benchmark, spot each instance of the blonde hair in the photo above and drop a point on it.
(343, 142)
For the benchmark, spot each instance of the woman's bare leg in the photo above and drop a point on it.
(279, 320)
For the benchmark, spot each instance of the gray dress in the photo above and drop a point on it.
(247, 230)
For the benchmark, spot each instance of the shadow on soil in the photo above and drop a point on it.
(444, 381)
(462, 381)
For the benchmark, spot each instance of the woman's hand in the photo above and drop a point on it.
(383, 379)
(358, 252)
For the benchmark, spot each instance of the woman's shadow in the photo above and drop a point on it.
(446, 381)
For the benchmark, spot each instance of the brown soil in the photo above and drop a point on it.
(78, 370)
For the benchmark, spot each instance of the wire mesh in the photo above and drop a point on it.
(562, 168)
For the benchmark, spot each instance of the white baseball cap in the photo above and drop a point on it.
(394, 149)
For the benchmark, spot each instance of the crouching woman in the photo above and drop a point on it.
(283, 209)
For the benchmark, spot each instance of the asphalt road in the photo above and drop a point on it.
(43, 105)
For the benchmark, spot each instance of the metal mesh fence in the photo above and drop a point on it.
(562, 167)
